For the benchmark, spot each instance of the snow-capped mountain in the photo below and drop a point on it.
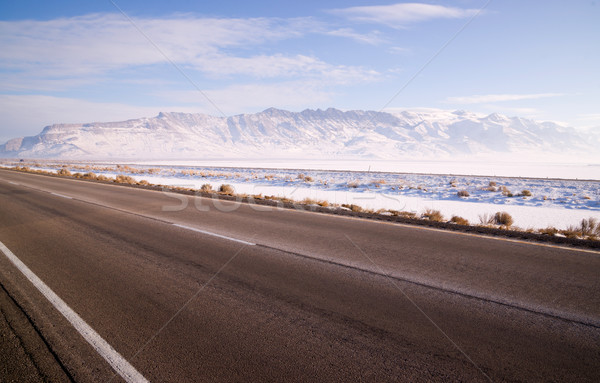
(313, 134)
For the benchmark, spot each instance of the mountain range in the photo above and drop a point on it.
(315, 134)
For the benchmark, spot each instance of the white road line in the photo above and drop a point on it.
(14, 183)
(118, 363)
(61, 195)
(214, 234)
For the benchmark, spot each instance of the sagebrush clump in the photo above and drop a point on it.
(459, 220)
(502, 218)
(433, 215)
(206, 188)
(123, 179)
(63, 172)
(226, 189)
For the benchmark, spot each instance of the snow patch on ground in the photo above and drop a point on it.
(553, 202)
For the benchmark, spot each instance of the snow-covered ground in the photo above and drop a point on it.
(566, 168)
(552, 202)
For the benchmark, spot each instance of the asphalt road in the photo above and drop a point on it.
(280, 295)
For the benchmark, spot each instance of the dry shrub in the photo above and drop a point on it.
(571, 232)
(206, 188)
(492, 183)
(378, 183)
(459, 220)
(308, 179)
(589, 227)
(143, 183)
(503, 218)
(463, 193)
(550, 230)
(323, 203)
(486, 219)
(526, 193)
(301, 176)
(433, 215)
(89, 176)
(226, 189)
(123, 179)
(63, 172)
(353, 207)
(102, 177)
(404, 214)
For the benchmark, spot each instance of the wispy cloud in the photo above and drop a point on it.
(487, 98)
(98, 42)
(373, 37)
(403, 14)
(63, 51)
(281, 66)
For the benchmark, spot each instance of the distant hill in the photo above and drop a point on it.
(276, 133)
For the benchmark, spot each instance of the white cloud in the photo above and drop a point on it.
(402, 14)
(95, 43)
(281, 66)
(400, 50)
(72, 52)
(373, 38)
(479, 99)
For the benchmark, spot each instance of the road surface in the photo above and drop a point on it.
(188, 289)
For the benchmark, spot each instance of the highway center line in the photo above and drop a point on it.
(214, 234)
(61, 195)
(118, 363)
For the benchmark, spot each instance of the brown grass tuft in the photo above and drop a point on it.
(123, 179)
(206, 188)
(459, 220)
(63, 172)
(503, 218)
(433, 215)
(353, 207)
(226, 189)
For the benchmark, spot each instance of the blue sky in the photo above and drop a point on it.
(65, 61)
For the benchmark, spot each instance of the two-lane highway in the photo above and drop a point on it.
(242, 293)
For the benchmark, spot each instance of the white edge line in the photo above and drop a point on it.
(61, 195)
(14, 183)
(118, 363)
(214, 234)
